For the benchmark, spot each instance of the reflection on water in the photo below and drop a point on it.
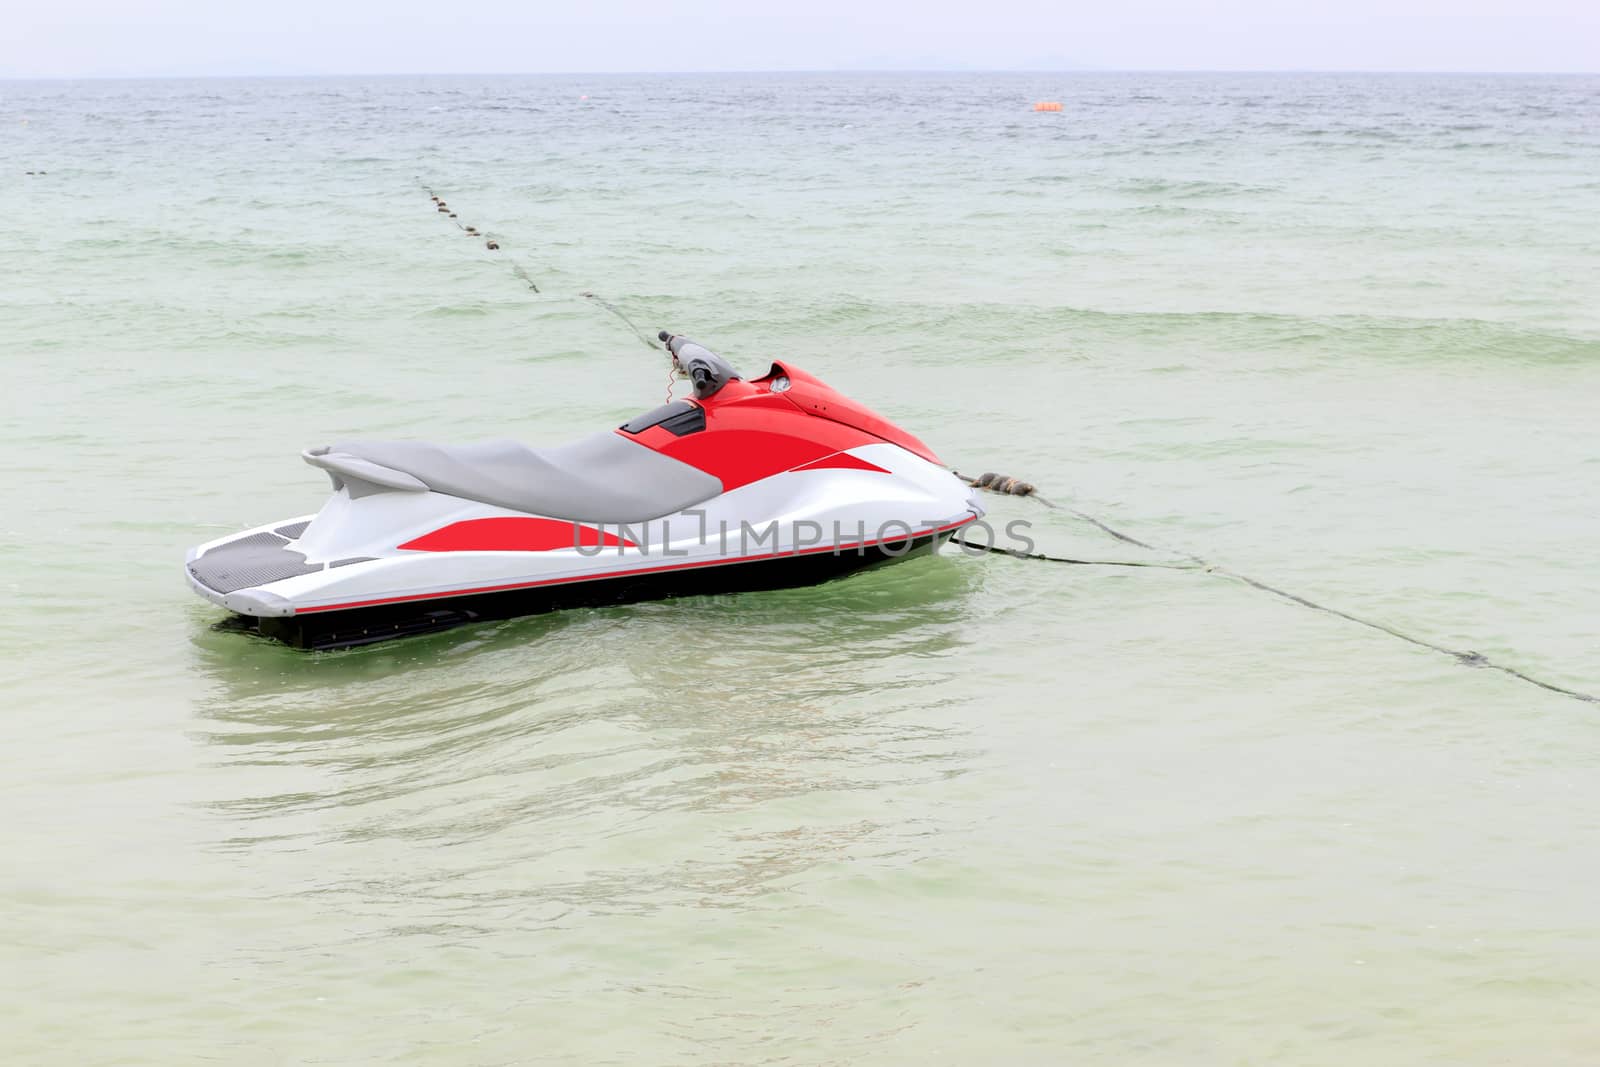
(552, 742)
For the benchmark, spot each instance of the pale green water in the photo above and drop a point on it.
(1342, 333)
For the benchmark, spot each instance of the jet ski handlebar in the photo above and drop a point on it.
(707, 370)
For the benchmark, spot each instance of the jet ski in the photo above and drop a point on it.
(766, 483)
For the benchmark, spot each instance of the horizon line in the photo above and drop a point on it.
(816, 70)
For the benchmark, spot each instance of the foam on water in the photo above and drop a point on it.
(1338, 332)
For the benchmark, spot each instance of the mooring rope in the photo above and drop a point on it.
(492, 243)
(609, 306)
(1467, 658)
(972, 547)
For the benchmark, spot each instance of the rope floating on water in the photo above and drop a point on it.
(1466, 658)
(609, 306)
(1003, 483)
(973, 547)
(492, 243)
(472, 231)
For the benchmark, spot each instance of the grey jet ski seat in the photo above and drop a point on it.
(601, 478)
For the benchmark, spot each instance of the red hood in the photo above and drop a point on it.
(816, 397)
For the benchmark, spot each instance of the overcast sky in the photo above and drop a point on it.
(74, 38)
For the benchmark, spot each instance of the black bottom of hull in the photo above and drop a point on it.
(383, 622)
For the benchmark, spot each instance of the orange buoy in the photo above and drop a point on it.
(1047, 105)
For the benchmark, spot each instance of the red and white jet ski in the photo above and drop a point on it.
(762, 484)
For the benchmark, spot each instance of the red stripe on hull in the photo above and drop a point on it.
(509, 534)
(631, 571)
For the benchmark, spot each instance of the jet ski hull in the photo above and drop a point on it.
(354, 627)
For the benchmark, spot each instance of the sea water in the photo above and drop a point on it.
(1339, 333)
